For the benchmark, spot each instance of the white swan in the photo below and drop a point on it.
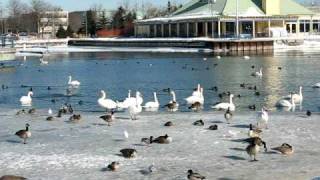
(259, 73)
(263, 118)
(106, 103)
(218, 57)
(197, 91)
(43, 61)
(317, 85)
(286, 103)
(26, 100)
(297, 98)
(225, 106)
(132, 100)
(196, 98)
(74, 83)
(246, 57)
(153, 104)
(123, 104)
(135, 109)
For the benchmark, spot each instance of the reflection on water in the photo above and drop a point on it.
(118, 72)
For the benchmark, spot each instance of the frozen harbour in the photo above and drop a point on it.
(62, 150)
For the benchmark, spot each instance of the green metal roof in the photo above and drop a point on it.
(246, 8)
(289, 7)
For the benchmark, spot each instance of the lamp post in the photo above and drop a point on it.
(237, 18)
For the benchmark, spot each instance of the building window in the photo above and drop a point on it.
(209, 32)
(159, 30)
(301, 27)
(174, 30)
(152, 31)
(183, 30)
(294, 29)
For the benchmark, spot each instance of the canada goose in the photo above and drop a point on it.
(254, 147)
(75, 118)
(228, 115)
(199, 123)
(213, 127)
(195, 106)
(11, 177)
(194, 176)
(162, 139)
(308, 113)
(59, 115)
(169, 123)
(32, 111)
(129, 153)
(147, 141)
(254, 132)
(108, 118)
(284, 149)
(50, 118)
(22, 111)
(24, 134)
(114, 166)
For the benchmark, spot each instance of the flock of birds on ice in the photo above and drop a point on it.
(134, 106)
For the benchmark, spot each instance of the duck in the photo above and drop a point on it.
(199, 123)
(285, 149)
(252, 107)
(308, 113)
(195, 106)
(263, 118)
(108, 118)
(75, 118)
(297, 98)
(168, 124)
(228, 115)
(286, 103)
(254, 147)
(49, 118)
(153, 104)
(194, 176)
(32, 111)
(162, 139)
(108, 104)
(225, 106)
(114, 166)
(135, 109)
(12, 177)
(254, 132)
(147, 141)
(26, 100)
(128, 153)
(24, 134)
(213, 127)
(73, 83)
(172, 105)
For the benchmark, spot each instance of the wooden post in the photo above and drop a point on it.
(196, 30)
(162, 30)
(219, 28)
(269, 26)
(178, 29)
(169, 30)
(212, 29)
(253, 28)
(206, 29)
(187, 29)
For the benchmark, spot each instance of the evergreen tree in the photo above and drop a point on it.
(169, 9)
(69, 32)
(91, 23)
(118, 19)
(61, 33)
(103, 22)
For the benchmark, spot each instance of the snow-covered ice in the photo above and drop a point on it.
(62, 150)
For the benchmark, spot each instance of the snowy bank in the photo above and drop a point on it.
(61, 150)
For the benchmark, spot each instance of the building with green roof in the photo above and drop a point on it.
(232, 18)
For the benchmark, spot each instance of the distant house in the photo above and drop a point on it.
(226, 19)
(50, 22)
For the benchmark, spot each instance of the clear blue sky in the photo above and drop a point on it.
(72, 5)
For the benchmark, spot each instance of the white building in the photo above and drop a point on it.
(50, 22)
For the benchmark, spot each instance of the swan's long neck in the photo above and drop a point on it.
(129, 94)
(201, 92)
(29, 94)
(292, 101)
(155, 97)
(173, 96)
(27, 128)
(199, 88)
(231, 99)
(103, 96)
(137, 96)
(70, 79)
(260, 70)
(300, 91)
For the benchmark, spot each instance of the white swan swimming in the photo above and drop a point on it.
(316, 85)
(43, 62)
(196, 97)
(297, 98)
(135, 109)
(286, 103)
(106, 103)
(73, 83)
(263, 118)
(153, 104)
(246, 57)
(225, 106)
(259, 73)
(26, 100)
